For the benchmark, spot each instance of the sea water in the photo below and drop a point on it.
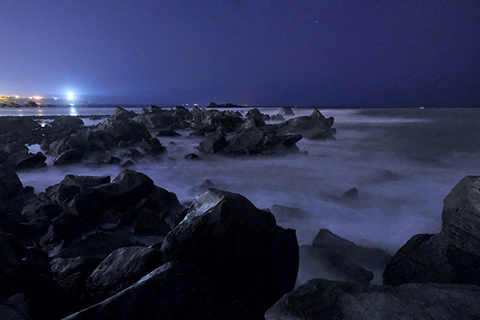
(426, 152)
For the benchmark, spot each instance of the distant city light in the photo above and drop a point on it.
(37, 97)
(16, 97)
(71, 96)
(55, 98)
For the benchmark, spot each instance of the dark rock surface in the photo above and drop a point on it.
(315, 126)
(451, 256)
(227, 237)
(323, 299)
(121, 269)
(175, 290)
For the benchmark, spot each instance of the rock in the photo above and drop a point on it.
(15, 308)
(12, 277)
(121, 269)
(152, 146)
(167, 133)
(147, 223)
(173, 291)
(127, 164)
(11, 192)
(123, 114)
(238, 246)
(13, 148)
(135, 184)
(370, 258)
(351, 194)
(321, 263)
(277, 117)
(67, 122)
(95, 244)
(451, 256)
(286, 111)
(23, 160)
(68, 157)
(124, 130)
(84, 182)
(323, 299)
(61, 194)
(213, 143)
(31, 104)
(284, 213)
(315, 126)
(192, 156)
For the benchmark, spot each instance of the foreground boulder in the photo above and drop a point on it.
(238, 246)
(323, 299)
(314, 126)
(451, 256)
(173, 291)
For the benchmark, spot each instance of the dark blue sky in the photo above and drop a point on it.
(354, 53)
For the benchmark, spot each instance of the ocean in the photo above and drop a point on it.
(403, 162)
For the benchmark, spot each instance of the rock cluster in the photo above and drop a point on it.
(95, 248)
(433, 276)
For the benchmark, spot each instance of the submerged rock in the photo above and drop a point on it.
(451, 256)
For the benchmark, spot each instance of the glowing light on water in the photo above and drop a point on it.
(73, 111)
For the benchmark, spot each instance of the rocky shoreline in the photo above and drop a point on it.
(93, 247)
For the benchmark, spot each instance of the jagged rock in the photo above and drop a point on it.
(152, 146)
(95, 244)
(315, 126)
(351, 194)
(213, 143)
(174, 291)
(286, 111)
(84, 182)
(323, 299)
(68, 157)
(148, 223)
(123, 114)
(13, 148)
(12, 277)
(15, 308)
(285, 213)
(121, 269)
(67, 122)
(124, 130)
(11, 192)
(370, 258)
(24, 160)
(238, 246)
(277, 117)
(451, 256)
(167, 133)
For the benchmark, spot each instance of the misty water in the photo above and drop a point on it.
(426, 151)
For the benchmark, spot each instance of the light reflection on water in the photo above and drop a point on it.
(73, 111)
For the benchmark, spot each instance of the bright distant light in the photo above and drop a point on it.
(55, 98)
(37, 97)
(16, 97)
(71, 96)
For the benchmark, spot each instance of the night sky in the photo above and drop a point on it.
(323, 53)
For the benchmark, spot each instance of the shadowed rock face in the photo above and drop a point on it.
(238, 246)
(323, 299)
(451, 256)
(173, 291)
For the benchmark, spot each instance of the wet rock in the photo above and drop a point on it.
(351, 194)
(13, 148)
(124, 130)
(285, 213)
(67, 122)
(315, 126)
(152, 146)
(286, 111)
(123, 114)
(167, 133)
(451, 256)
(238, 246)
(84, 182)
(213, 143)
(12, 277)
(323, 299)
(24, 160)
(192, 156)
(127, 164)
(173, 291)
(121, 269)
(370, 258)
(277, 117)
(68, 157)
(11, 192)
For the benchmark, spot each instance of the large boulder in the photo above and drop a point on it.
(123, 114)
(451, 256)
(323, 299)
(238, 246)
(314, 126)
(125, 130)
(11, 192)
(174, 291)
(121, 269)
